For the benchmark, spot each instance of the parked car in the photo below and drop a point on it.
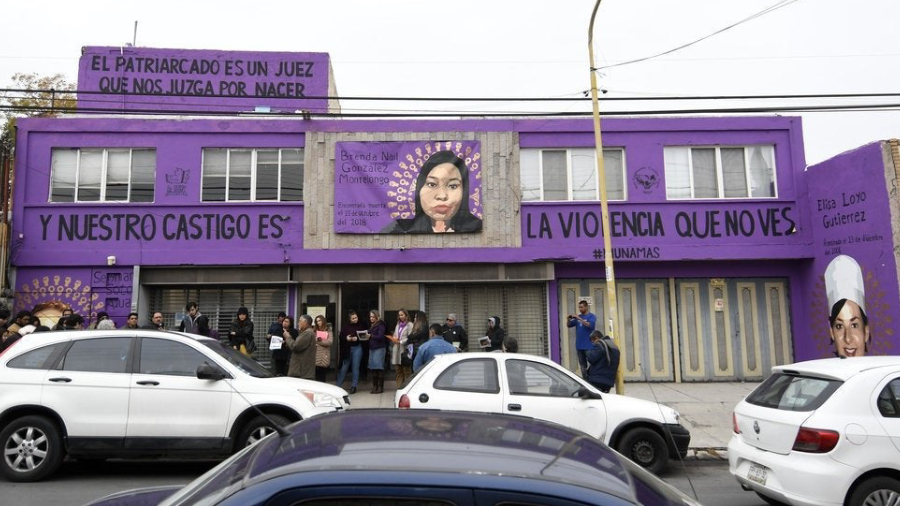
(822, 432)
(118, 393)
(448, 458)
(511, 383)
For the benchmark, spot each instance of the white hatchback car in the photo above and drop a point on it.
(646, 432)
(102, 394)
(822, 432)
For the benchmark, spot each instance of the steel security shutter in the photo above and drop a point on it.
(522, 309)
(220, 305)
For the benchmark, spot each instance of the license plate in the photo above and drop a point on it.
(757, 473)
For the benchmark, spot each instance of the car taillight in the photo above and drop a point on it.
(734, 425)
(816, 440)
(404, 402)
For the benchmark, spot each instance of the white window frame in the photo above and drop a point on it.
(253, 172)
(720, 179)
(104, 167)
(569, 185)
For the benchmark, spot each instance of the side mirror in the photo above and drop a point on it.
(585, 393)
(208, 372)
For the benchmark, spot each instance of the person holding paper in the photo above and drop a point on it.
(303, 350)
(324, 339)
(398, 351)
(281, 355)
(351, 351)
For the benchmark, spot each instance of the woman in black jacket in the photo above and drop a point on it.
(496, 333)
(240, 337)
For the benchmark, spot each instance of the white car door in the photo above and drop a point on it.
(546, 392)
(889, 409)
(90, 388)
(167, 398)
(471, 384)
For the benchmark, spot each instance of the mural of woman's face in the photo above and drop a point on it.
(442, 195)
(849, 333)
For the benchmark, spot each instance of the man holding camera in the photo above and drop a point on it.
(584, 324)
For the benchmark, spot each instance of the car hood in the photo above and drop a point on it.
(150, 496)
(621, 407)
(262, 385)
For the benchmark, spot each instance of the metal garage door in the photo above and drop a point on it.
(522, 309)
(220, 305)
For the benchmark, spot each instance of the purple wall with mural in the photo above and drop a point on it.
(848, 204)
(651, 234)
(139, 79)
(85, 290)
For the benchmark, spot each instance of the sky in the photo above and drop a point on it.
(519, 48)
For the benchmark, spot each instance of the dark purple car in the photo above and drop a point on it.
(419, 457)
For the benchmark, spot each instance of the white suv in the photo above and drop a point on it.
(822, 432)
(141, 393)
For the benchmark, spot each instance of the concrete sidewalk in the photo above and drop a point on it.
(705, 408)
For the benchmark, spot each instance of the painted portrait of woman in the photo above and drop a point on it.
(442, 199)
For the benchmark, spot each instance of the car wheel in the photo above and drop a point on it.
(32, 449)
(259, 428)
(769, 500)
(877, 491)
(646, 448)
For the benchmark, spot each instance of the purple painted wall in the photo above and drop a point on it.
(85, 290)
(151, 79)
(652, 236)
(848, 203)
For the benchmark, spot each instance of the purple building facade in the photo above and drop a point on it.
(718, 238)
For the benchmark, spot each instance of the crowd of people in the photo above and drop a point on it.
(304, 350)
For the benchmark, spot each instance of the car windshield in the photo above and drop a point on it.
(239, 360)
(215, 484)
(793, 392)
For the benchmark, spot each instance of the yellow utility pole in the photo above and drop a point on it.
(612, 311)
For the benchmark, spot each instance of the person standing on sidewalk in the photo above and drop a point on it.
(398, 350)
(603, 362)
(156, 322)
(241, 333)
(194, 322)
(303, 350)
(584, 323)
(435, 346)
(455, 333)
(377, 345)
(496, 334)
(351, 351)
(281, 356)
(323, 348)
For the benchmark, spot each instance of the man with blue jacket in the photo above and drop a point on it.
(436, 345)
(603, 361)
(584, 324)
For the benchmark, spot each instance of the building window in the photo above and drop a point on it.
(571, 174)
(720, 172)
(231, 175)
(102, 175)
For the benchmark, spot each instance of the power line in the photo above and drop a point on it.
(519, 114)
(767, 10)
(67, 94)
